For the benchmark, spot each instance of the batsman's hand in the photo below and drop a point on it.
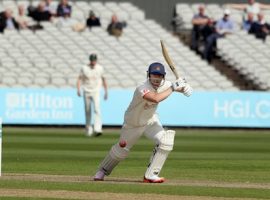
(187, 90)
(178, 85)
(181, 85)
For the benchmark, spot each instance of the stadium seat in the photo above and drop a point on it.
(8, 80)
(248, 56)
(57, 54)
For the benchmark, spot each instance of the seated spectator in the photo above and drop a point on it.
(22, 19)
(92, 20)
(64, 9)
(251, 7)
(115, 27)
(223, 27)
(247, 23)
(39, 13)
(50, 7)
(199, 22)
(208, 29)
(7, 21)
(260, 28)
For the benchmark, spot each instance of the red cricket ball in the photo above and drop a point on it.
(122, 143)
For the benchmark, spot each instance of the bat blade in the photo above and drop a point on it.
(168, 59)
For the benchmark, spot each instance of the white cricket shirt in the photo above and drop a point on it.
(141, 111)
(91, 78)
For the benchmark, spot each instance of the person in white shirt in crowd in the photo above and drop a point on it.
(250, 7)
(91, 79)
(141, 118)
(23, 20)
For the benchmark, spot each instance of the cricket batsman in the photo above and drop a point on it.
(141, 118)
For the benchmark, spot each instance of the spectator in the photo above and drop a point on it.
(22, 19)
(7, 21)
(91, 77)
(260, 28)
(40, 14)
(116, 27)
(223, 27)
(50, 7)
(209, 29)
(251, 7)
(64, 9)
(92, 20)
(248, 22)
(199, 22)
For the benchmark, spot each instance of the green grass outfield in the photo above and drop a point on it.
(207, 163)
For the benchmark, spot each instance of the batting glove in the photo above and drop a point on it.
(187, 90)
(178, 84)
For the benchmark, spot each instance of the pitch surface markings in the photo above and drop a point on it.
(114, 180)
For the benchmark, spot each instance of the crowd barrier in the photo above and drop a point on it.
(202, 109)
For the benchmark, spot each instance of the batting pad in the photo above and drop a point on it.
(167, 140)
(160, 154)
(115, 155)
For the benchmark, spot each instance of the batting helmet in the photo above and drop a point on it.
(156, 68)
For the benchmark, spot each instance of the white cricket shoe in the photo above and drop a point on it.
(97, 132)
(89, 131)
(154, 179)
(99, 176)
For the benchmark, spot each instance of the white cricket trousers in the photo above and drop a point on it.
(90, 99)
(152, 130)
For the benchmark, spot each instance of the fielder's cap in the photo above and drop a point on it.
(156, 68)
(227, 12)
(93, 57)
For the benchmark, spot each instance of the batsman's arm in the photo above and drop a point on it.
(176, 86)
(158, 97)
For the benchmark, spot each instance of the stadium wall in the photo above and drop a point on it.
(202, 109)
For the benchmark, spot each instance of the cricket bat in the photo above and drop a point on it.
(168, 60)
